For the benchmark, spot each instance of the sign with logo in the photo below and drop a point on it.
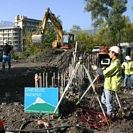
(40, 100)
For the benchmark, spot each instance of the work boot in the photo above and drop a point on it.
(112, 117)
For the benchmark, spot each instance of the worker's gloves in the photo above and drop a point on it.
(94, 67)
(99, 71)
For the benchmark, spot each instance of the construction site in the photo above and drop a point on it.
(80, 109)
(58, 91)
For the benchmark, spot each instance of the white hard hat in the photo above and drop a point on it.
(115, 49)
(128, 58)
(5, 41)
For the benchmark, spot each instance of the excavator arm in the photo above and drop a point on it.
(44, 21)
(64, 41)
(56, 24)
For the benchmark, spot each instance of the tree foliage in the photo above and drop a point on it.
(84, 39)
(109, 12)
(127, 33)
(49, 36)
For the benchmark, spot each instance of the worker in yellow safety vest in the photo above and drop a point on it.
(112, 79)
(127, 65)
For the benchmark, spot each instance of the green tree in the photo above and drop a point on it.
(84, 39)
(127, 32)
(29, 48)
(111, 13)
(49, 36)
(75, 29)
(101, 37)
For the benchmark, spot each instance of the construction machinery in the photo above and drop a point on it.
(64, 41)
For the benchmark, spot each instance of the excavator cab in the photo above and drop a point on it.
(67, 41)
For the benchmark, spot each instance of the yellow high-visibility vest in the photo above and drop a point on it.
(113, 76)
(128, 67)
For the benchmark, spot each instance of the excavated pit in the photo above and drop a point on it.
(72, 118)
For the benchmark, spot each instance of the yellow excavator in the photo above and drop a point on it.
(65, 41)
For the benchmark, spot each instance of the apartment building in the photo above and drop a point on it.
(26, 24)
(14, 37)
(15, 34)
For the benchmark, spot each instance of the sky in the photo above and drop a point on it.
(71, 12)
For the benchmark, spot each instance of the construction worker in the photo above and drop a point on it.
(7, 50)
(127, 65)
(112, 79)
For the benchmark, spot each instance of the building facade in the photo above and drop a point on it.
(13, 35)
(27, 24)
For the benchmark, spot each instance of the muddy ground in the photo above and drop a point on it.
(81, 118)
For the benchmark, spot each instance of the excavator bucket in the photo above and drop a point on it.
(36, 39)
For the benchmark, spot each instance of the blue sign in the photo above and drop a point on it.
(40, 100)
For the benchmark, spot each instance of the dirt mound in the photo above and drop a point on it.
(52, 57)
(46, 55)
